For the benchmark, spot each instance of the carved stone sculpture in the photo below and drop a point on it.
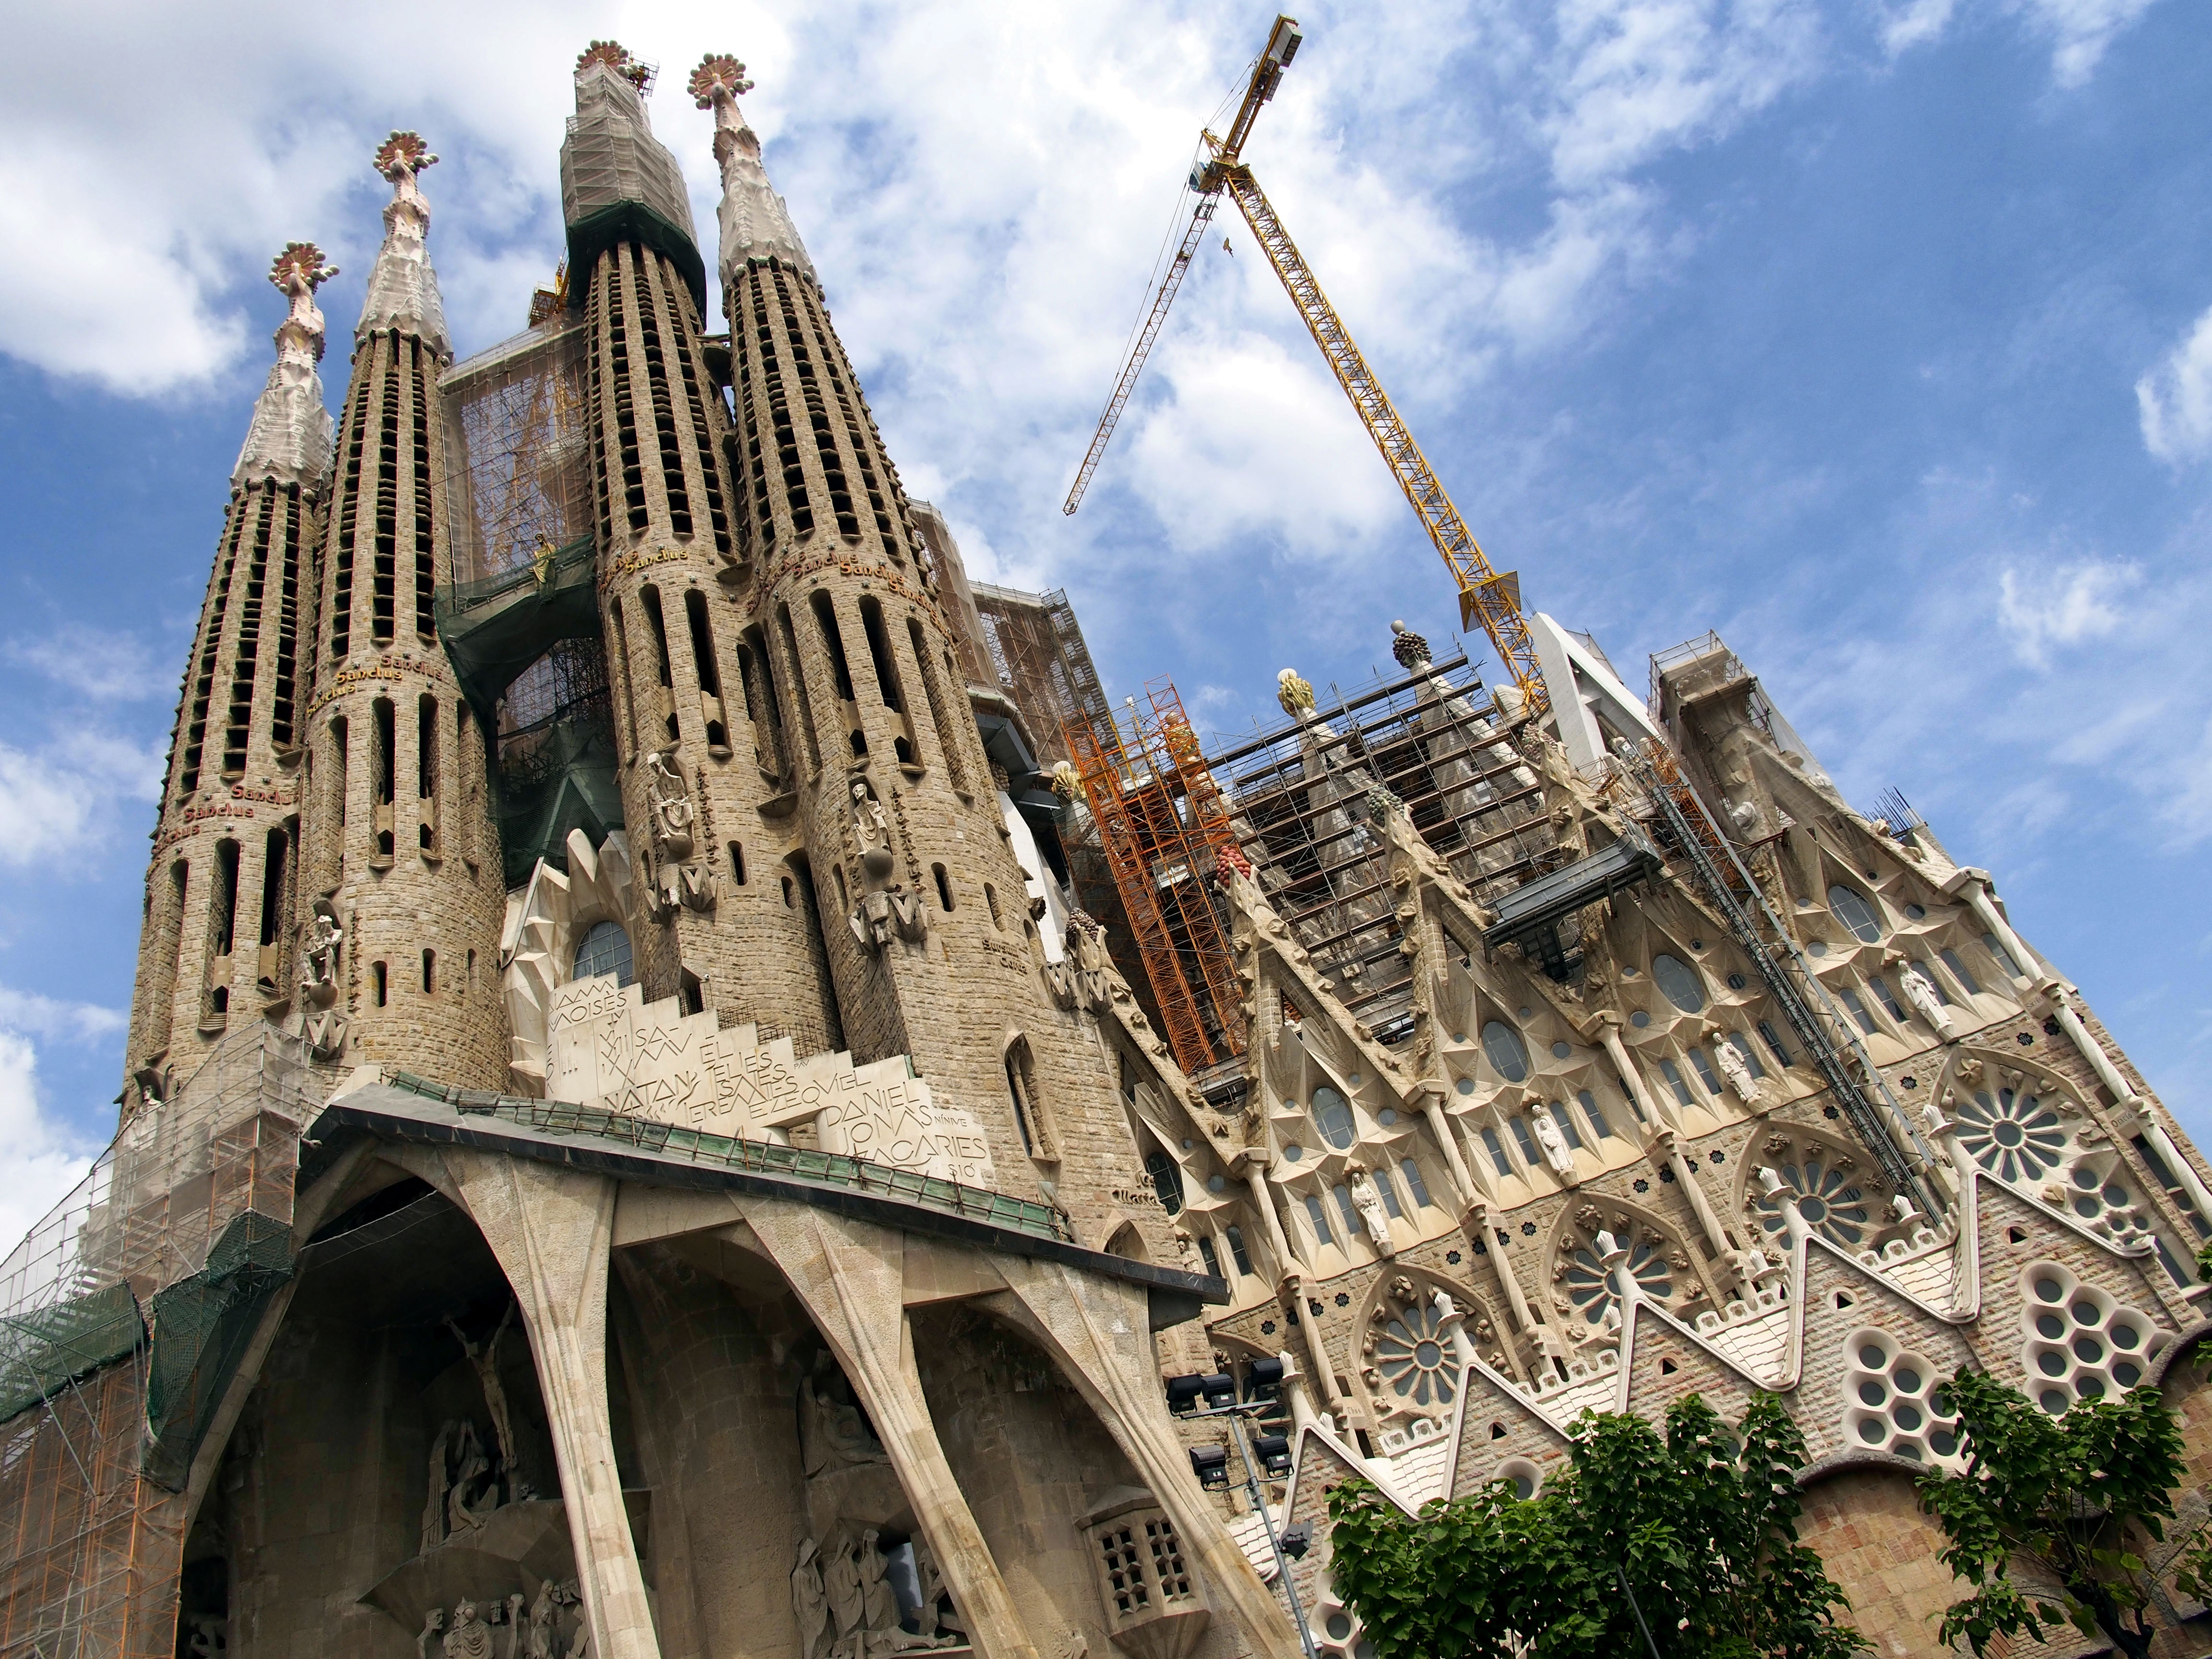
(434, 1508)
(538, 1643)
(210, 1636)
(434, 1622)
(321, 1025)
(474, 1494)
(1372, 1216)
(672, 811)
(1737, 1069)
(1295, 693)
(833, 1434)
(810, 1602)
(1922, 995)
(1556, 1151)
(485, 1359)
(470, 1637)
(841, 1581)
(869, 827)
(879, 1602)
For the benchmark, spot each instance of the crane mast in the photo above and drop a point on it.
(1486, 596)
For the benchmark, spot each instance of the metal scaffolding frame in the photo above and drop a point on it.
(1163, 826)
(1037, 652)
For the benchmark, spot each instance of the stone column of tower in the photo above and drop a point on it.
(930, 941)
(219, 891)
(400, 856)
(729, 917)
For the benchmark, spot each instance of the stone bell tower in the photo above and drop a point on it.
(402, 897)
(861, 714)
(219, 892)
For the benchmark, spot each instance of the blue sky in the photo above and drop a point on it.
(1877, 336)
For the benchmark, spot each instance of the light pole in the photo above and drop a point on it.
(1220, 1394)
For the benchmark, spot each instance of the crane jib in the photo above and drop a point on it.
(1484, 594)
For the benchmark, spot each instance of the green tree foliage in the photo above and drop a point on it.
(2053, 1517)
(1700, 1524)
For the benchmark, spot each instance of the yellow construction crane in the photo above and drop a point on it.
(1484, 595)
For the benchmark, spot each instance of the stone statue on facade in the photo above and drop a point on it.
(1923, 997)
(1372, 1216)
(810, 1601)
(1556, 1150)
(1737, 1069)
(672, 811)
(841, 1581)
(321, 1025)
(485, 1360)
(1296, 694)
(470, 1637)
(475, 1492)
(879, 1602)
(434, 1623)
(544, 1612)
(210, 1636)
(434, 1508)
(833, 1434)
(869, 829)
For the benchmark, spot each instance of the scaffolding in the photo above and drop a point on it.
(521, 620)
(124, 1315)
(1301, 795)
(1297, 800)
(1037, 653)
(517, 474)
(1163, 826)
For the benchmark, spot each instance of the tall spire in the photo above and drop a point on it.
(756, 224)
(290, 439)
(618, 183)
(402, 290)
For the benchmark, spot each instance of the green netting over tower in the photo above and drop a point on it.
(520, 622)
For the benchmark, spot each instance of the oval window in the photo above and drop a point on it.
(1851, 908)
(605, 950)
(1679, 983)
(1331, 1115)
(1503, 1044)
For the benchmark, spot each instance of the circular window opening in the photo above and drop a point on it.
(1679, 982)
(605, 950)
(1503, 1044)
(1851, 908)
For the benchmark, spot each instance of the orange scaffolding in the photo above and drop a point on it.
(1162, 824)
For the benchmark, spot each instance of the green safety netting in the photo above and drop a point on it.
(632, 221)
(555, 776)
(45, 1351)
(557, 773)
(202, 1324)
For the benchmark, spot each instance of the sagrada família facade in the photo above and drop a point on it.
(632, 1144)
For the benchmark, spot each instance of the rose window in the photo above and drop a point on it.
(1592, 1289)
(1413, 1356)
(2016, 1137)
(1833, 1205)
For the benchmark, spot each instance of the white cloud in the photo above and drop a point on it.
(65, 799)
(2063, 606)
(42, 1157)
(93, 662)
(2079, 32)
(2174, 400)
(32, 1014)
(1914, 23)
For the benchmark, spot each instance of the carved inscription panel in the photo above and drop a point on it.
(610, 1048)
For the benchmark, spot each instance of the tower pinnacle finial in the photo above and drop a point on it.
(296, 273)
(756, 224)
(402, 290)
(290, 438)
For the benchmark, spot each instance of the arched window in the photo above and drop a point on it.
(1507, 1054)
(604, 949)
(1166, 1179)
(1331, 1115)
(1851, 908)
(1679, 983)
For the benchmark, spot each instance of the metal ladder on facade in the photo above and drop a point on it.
(1833, 1043)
